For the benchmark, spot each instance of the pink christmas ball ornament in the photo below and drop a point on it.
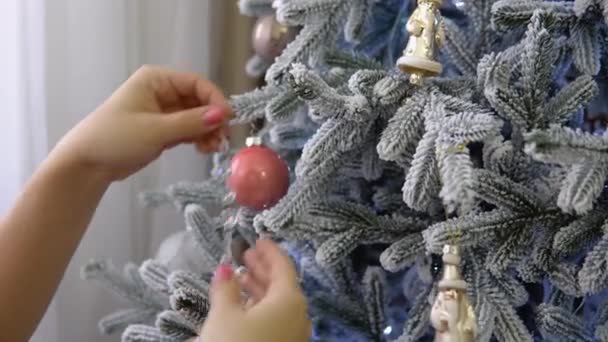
(259, 177)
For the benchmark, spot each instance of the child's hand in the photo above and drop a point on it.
(277, 311)
(153, 110)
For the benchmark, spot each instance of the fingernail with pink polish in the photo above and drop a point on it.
(214, 116)
(223, 272)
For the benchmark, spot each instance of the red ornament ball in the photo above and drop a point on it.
(259, 178)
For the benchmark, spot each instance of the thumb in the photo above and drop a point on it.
(194, 123)
(225, 293)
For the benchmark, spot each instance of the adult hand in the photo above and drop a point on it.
(155, 109)
(277, 310)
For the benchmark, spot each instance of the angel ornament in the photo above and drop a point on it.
(452, 315)
(427, 35)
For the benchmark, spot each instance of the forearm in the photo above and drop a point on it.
(154, 109)
(37, 239)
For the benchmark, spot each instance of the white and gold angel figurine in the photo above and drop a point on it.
(452, 315)
(427, 35)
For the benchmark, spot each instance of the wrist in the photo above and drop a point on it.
(76, 171)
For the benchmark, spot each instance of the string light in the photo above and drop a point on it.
(388, 330)
(460, 4)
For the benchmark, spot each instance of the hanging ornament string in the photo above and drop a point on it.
(228, 204)
(257, 179)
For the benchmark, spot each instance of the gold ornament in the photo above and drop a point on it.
(425, 26)
(452, 315)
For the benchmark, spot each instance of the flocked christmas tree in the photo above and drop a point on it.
(503, 154)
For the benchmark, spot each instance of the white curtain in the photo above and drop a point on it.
(61, 59)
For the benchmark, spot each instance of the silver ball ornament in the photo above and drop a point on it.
(270, 37)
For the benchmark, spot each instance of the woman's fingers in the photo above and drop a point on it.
(269, 271)
(225, 292)
(280, 269)
(177, 93)
(193, 86)
(256, 267)
(211, 143)
(200, 123)
(252, 286)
